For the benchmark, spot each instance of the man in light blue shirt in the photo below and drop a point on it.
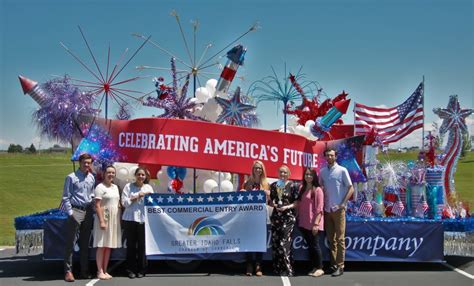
(78, 195)
(337, 186)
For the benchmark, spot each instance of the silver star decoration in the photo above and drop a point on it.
(453, 116)
(233, 110)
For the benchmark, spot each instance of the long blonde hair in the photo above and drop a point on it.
(253, 179)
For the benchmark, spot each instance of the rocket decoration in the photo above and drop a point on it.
(323, 124)
(235, 59)
(33, 89)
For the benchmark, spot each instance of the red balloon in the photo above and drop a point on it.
(176, 185)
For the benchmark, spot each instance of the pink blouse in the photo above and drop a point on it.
(309, 206)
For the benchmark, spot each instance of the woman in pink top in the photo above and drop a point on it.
(310, 218)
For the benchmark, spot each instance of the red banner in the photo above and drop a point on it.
(203, 145)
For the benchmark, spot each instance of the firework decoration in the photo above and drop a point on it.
(32, 88)
(235, 59)
(61, 104)
(123, 113)
(106, 85)
(175, 104)
(98, 143)
(430, 156)
(454, 121)
(196, 67)
(272, 88)
(233, 110)
(323, 124)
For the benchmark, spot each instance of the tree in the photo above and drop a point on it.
(32, 149)
(15, 148)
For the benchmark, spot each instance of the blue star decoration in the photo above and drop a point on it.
(453, 116)
(233, 110)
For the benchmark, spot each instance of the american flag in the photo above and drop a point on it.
(365, 209)
(421, 207)
(398, 208)
(391, 124)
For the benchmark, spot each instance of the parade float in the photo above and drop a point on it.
(201, 146)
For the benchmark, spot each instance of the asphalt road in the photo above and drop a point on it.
(32, 270)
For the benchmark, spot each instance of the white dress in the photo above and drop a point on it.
(112, 236)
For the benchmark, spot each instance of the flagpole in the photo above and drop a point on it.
(423, 129)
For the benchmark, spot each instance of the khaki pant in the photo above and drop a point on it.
(335, 226)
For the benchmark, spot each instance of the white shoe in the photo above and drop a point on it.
(318, 273)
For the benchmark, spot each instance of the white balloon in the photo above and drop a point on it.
(309, 124)
(211, 110)
(132, 171)
(292, 121)
(227, 186)
(211, 85)
(227, 176)
(202, 95)
(299, 129)
(218, 176)
(122, 173)
(209, 185)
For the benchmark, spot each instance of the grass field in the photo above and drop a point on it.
(33, 183)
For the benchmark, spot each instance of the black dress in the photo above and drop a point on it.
(283, 223)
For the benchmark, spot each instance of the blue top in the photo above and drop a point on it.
(78, 190)
(336, 182)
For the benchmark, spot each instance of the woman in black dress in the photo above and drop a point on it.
(284, 196)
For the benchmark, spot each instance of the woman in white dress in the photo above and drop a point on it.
(107, 231)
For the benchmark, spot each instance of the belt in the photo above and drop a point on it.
(80, 207)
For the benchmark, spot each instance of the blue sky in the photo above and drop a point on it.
(376, 50)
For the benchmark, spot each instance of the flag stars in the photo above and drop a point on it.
(220, 198)
(180, 199)
(170, 199)
(159, 199)
(210, 199)
(230, 198)
(190, 199)
(260, 197)
(240, 198)
(150, 200)
(250, 197)
(200, 199)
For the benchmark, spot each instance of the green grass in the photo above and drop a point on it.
(29, 184)
(33, 183)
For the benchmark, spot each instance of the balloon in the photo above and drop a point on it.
(227, 186)
(309, 124)
(209, 185)
(175, 185)
(227, 176)
(218, 176)
(211, 86)
(122, 173)
(132, 171)
(202, 94)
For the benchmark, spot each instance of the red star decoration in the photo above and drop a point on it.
(311, 109)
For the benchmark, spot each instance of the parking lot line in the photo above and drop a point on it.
(285, 280)
(459, 271)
